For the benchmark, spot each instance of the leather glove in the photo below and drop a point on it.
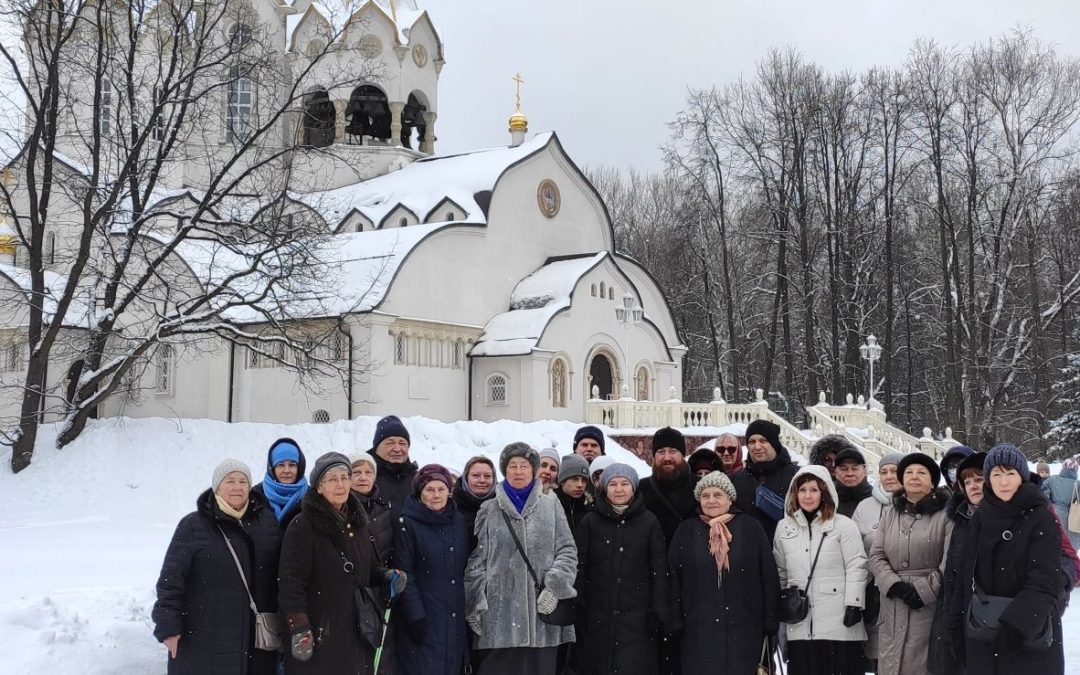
(852, 616)
(303, 645)
(546, 602)
(476, 624)
(418, 631)
(907, 593)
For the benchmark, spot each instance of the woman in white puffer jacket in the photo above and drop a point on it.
(829, 640)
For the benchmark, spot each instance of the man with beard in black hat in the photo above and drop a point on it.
(669, 494)
(763, 485)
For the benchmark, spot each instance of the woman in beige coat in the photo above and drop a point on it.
(906, 559)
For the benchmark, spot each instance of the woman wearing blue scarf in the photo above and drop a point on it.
(284, 484)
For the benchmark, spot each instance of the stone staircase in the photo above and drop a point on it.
(865, 426)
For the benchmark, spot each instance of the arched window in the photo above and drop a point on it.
(369, 115)
(496, 389)
(594, 290)
(412, 117)
(320, 417)
(105, 108)
(558, 383)
(166, 369)
(239, 36)
(50, 248)
(449, 216)
(404, 222)
(643, 384)
(319, 119)
(603, 289)
(458, 350)
(401, 349)
(611, 294)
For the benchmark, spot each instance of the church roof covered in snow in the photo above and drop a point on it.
(534, 303)
(338, 13)
(425, 184)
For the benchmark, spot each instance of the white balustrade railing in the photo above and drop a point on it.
(881, 437)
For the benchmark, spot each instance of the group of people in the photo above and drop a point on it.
(576, 565)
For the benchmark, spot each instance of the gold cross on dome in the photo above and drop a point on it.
(518, 82)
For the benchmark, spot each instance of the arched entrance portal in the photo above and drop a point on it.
(602, 375)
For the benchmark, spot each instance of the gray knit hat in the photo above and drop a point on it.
(573, 465)
(519, 449)
(227, 467)
(599, 464)
(890, 459)
(618, 470)
(551, 453)
(715, 479)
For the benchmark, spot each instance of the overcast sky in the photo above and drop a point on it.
(608, 75)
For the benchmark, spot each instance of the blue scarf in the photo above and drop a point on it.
(518, 497)
(282, 496)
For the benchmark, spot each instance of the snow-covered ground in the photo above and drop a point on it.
(83, 530)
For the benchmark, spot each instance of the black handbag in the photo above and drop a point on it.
(794, 605)
(565, 613)
(369, 622)
(984, 621)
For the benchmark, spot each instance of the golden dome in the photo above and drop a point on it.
(518, 121)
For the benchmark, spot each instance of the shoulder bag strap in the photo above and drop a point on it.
(239, 569)
(521, 550)
(1076, 492)
(816, 556)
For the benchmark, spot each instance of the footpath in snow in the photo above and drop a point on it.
(83, 530)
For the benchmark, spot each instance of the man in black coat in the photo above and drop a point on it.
(669, 492)
(763, 485)
(851, 484)
(390, 448)
(572, 493)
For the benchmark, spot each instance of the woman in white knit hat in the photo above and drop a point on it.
(725, 583)
(203, 613)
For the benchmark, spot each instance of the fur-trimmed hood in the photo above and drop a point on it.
(937, 500)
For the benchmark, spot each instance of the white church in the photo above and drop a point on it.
(478, 286)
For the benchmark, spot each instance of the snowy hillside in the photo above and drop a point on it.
(83, 530)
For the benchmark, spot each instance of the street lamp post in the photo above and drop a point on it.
(628, 314)
(871, 351)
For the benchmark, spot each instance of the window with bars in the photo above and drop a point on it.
(458, 352)
(558, 384)
(497, 389)
(105, 108)
(401, 349)
(166, 369)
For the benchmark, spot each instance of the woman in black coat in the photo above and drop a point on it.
(623, 584)
(1013, 550)
(202, 613)
(380, 518)
(726, 593)
(432, 547)
(328, 567)
(476, 486)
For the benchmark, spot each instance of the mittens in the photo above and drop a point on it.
(852, 616)
(303, 645)
(546, 602)
(397, 580)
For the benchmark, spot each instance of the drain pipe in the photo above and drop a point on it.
(349, 384)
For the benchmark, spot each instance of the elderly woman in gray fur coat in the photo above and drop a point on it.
(503, 605)
(907, 560)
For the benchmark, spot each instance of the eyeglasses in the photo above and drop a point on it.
(728, 450)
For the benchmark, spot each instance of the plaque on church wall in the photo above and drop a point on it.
(370, 46)
(419, 55)
(547, 197)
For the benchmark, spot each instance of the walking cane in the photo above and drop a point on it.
(386, 623)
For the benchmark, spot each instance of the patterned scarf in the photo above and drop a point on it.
(719, 542)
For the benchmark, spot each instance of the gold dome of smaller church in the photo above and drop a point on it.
(518, 121)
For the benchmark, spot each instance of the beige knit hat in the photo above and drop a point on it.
(717, 479)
